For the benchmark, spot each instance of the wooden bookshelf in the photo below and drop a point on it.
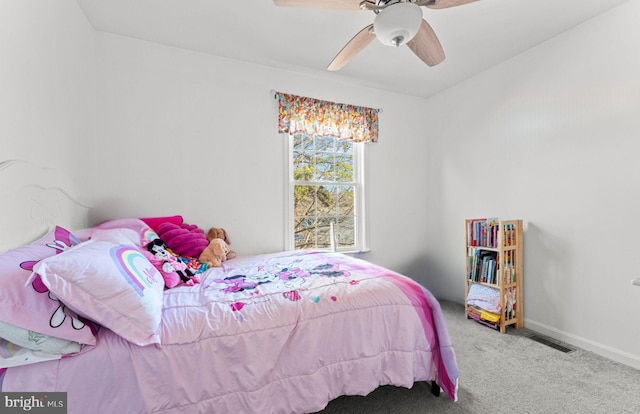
(494, 259)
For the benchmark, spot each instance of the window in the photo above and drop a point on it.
(325, 193)
(325, 174)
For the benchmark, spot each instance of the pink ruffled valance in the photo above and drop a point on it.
(299, 114)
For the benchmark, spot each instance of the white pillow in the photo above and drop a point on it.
(12, 355)
(108, 280)
(37, 341)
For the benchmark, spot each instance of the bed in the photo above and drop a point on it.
(285, 332)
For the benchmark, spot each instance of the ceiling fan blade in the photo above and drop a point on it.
(445, 4)
(355, 46)
(426, 45)
(321, 4)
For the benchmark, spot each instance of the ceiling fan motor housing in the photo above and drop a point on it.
(397, 23)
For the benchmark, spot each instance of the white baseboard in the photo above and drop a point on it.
(597, 348)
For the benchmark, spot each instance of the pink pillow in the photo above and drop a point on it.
(155, 222)
(110, 281)
(32, 306)
(185, 239)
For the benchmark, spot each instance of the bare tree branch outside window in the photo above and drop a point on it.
(324, 192)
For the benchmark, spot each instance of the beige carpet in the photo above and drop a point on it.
(511, 374)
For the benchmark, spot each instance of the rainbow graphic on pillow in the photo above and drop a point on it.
(134, 267)
(149, 235)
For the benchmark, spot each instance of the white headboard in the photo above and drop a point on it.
(33, 200)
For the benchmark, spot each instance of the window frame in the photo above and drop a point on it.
(359, 172)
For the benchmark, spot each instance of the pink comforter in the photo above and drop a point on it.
(279, 333)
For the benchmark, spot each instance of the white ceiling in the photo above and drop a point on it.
(475, 36)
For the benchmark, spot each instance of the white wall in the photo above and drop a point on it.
(182, 132)
(552, 137)
(46, 83)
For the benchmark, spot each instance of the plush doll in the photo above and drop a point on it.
(216, 253)
(220, 233)
(172, 269)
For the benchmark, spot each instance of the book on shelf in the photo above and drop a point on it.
(485, 317)
(509, 274)
(509, 235)
(483, 266)
(483, 232)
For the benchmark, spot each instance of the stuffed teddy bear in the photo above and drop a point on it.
(220, 233)
(215, 253)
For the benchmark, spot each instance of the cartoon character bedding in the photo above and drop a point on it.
(284, 332)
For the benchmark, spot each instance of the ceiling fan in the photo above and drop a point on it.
(397, 22)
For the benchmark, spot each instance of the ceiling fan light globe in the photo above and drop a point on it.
(397, 41)
(398, 23)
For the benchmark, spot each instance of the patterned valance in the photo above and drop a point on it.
(299, 114)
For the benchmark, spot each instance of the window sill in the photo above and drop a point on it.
(348, 251)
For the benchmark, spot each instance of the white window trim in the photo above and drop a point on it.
(359, 161)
